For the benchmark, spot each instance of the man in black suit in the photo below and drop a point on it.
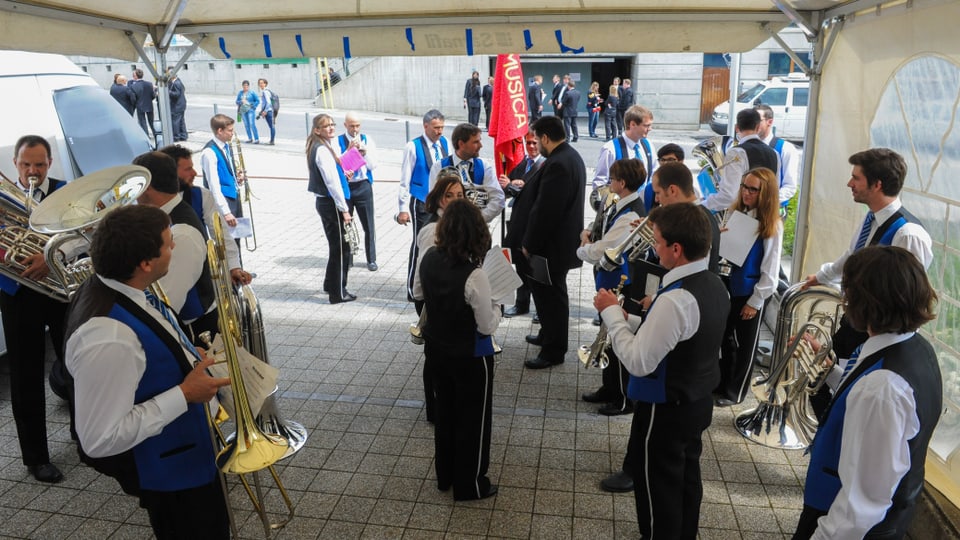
(123, 93)
(145, 92)
(570, 102)
(626, 101)
(178, 107)
(555, 96)
(546, 224)
(487, 95)
(535, 99)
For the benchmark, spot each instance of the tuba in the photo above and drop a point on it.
(784, 417)
(596, 353)
(711, 155)
(62, 221)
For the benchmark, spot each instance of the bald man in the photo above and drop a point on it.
(361, 184)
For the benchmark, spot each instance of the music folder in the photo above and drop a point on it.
(540, 269)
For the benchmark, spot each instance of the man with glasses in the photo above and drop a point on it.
(632, 143)
(750, 153)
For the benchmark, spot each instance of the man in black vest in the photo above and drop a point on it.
(867, 461)
(751, 152)
(188, 284)
(26, 314)
(672, 360)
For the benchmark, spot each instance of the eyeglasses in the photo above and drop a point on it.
(749, 189)
(668, 160)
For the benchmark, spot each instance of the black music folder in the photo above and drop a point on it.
(540, 269)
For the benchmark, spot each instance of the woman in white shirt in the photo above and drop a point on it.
(751, 283)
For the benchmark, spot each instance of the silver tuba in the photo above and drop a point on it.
(784, 417)
(711, 155)
(64, 219)
(637, 242)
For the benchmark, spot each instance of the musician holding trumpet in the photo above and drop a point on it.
(140, 387)
(614, 224)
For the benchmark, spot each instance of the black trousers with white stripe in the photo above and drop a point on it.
(464, 390)
(664, 453)
(737, 351)
(420, 217)
(339, 258)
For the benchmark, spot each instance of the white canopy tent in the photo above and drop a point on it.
(875, 65)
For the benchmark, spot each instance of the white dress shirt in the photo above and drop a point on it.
(209, 209)
(208, 164)
(107, 361)
(911, 237)
(735, 165)
(370, 152)
(490, 183)
(790, 161)
(186, 263)
(608, 155)
(331, 175)
(407, 165)
(673, 317)
(880, 419)
(593, 253)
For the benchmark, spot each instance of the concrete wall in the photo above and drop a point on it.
(669, 85)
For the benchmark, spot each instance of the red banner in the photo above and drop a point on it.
(508, 123)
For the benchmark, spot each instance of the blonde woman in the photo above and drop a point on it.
(593, 108)
(610, 112)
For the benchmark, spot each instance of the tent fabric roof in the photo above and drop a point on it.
(242, 29)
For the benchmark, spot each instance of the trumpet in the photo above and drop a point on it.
(596, 353)
(244, 195)
(637, 243)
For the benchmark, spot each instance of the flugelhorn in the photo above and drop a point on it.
(244, 195)
(596, 353)
(638, 241)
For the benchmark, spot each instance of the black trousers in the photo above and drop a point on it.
(737, 351)
(620, 114)
(339, 258)
(179, 126)
(570, 126)
(361, 199)
(487, 110)
(474, 115)
(146, 119)
(553, 308)
(464, 388)
(664, 448)
(610, 126)
(25, 317)
(523, 270)
(199, 512)
(614, 382)
(420, 217)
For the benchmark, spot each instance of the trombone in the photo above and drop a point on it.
(244, 195)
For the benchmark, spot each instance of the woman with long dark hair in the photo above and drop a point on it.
(329, 183)
(750, 284)
(461, 317)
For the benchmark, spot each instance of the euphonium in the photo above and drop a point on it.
(478, 195)
(596, 353)
(784, 418)
(710, 154)
(637, 242)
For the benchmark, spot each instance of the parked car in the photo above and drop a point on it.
(787, 96)
(48, 95)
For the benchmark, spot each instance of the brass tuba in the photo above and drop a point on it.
(711, 156)
(784, 417)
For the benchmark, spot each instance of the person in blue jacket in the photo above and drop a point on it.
(247, 104)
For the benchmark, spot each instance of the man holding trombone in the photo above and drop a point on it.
(140, 387)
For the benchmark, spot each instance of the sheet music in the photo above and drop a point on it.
(352, 160)
(244, 228)
(503, 278)
(259, 378)
(739, 236)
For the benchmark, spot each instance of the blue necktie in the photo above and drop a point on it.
(529, 166)
(465, 169)
(168, 315)
(852, 361)
(865, 231)
(636, 151)
(436, 152)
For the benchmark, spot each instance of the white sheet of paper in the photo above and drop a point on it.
(244, 228)
(739, 236)
(503, 278)
(259, 378)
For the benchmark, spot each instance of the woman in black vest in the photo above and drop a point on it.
(461, 317)
(751, 283)
(448, 188)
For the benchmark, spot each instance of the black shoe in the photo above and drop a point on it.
(48, 472)
(347, 298)
(594, 397)
(491, 491)
(614, 409)
(270, 143)
(536, 318)
(534, 339)
(541, 363)
(618, 482)
(513, 311)
(723, 402)
(596, 320)
(350, 295)
(372, 267)
(575, 140)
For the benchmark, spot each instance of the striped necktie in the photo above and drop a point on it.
(865, 231)
(436, 152)
(851, 362)
(466, 167)
(168, 315)
(636, 151)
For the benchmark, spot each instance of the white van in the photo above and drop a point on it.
(787, 96)
(48, 95)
